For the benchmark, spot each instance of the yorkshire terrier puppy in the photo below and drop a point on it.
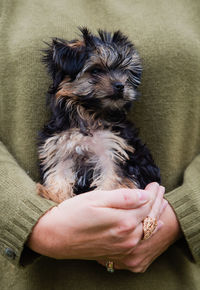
(88, 143)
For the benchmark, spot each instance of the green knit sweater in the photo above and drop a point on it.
(167, 36)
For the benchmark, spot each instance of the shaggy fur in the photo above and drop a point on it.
(88, 143)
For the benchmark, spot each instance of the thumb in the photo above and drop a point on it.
(122, 198)
(152, 186)
(153, 189)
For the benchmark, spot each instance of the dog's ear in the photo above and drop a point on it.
(120, 39)
(130, 53)
(88, 38)
(64, 58)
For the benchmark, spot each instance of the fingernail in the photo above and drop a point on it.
(162, 189)
(154, 184)
(143, 195)
(165, 203)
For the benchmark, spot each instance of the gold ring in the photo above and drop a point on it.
(110, 266)
(149, 225)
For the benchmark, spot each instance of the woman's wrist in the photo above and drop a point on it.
(171, 224)
(41, 237)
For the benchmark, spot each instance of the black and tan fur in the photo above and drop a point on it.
(88, 143)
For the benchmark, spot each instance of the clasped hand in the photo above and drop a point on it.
(100, 225)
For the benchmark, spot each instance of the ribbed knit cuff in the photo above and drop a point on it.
(185, 201)
(20, 207)
(20, 226)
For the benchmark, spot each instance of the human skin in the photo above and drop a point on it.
(146, 251)
(96, 225)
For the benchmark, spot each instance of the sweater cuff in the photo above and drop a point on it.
(19, 227)
(185, 202)
(20, 208)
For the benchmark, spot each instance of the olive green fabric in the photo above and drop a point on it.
(166, 34)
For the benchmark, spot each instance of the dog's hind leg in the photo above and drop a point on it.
(58, 182)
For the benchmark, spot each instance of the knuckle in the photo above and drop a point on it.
(90, 210)
(127, 225)
(136, 263)
(129, 245)
(138, 266)
(138, 270)
(128, 198)
(115, 238)
(147, 207)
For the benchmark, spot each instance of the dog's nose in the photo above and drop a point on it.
(118, 86)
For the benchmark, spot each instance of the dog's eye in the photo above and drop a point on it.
(96, 70)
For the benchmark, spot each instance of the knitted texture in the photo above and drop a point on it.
(185, 201)
(19, 211)
(166, 34)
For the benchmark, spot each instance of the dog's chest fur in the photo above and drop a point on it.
(84, 162)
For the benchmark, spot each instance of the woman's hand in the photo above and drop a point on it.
(147, 251)
(94, 225)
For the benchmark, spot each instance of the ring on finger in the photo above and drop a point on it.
(149, 226)
(110, 266)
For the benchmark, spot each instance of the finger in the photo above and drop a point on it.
(158, 204)
(102, 262)
(164, 205)
(156, 209)
(126, 220)
(152, 207)
(153, 189)
(131, 218)
(159, 226)
(151, 186)
(127, 245)
(139, 214)
(122, 198)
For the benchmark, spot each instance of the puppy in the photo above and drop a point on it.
(88, 143)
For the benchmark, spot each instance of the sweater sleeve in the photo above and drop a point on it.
(20, 207)
(185, 201)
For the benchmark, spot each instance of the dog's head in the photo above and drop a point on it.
(98, 73)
